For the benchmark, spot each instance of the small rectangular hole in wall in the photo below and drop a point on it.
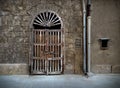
(104, 43)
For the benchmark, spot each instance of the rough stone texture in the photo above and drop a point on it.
(105, 24)
(13, 69)
(104, 69)
(116, 69)
(16, 24)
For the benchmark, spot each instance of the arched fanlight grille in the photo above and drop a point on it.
(47, 20)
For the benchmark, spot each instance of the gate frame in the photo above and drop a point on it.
(31, 42)
(62, 58)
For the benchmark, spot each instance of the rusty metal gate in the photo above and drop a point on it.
(48, 53)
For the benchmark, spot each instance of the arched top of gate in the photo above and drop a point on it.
(47, 20)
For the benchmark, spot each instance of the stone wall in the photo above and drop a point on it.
(16, 18)
(14, 33)
(106, 24)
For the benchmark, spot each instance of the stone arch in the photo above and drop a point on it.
(47, 20)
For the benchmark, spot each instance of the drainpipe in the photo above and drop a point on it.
(89, 38)
(84, 37)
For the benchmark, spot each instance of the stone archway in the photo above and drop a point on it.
(47, 48)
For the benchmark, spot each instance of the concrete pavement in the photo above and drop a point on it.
(59, 81)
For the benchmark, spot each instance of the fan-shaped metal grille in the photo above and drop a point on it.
(47, 20)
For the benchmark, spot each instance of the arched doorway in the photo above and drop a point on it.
(47, 47)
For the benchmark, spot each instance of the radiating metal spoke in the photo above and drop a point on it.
(38, 21)
(47, 19)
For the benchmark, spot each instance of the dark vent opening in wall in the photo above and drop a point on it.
(47, 20)
(104, 43)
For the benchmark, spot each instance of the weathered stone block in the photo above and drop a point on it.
(116, 69)
(13, 69)
(69, 40)
(4, 13)
(16, 20)
(7, 20)
(69, 69)
(2, 39)
(101, 68)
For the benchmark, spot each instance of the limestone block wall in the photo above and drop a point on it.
(16, 18)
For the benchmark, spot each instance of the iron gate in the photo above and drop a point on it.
(47, 52)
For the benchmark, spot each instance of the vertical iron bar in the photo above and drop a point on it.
(32, 65)
(50, 65)
(39, 51)
(35, 51)
(40, 37)
(58, 43)
(43, 65)
(58, 64)
(37, 65)
(61, 65)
